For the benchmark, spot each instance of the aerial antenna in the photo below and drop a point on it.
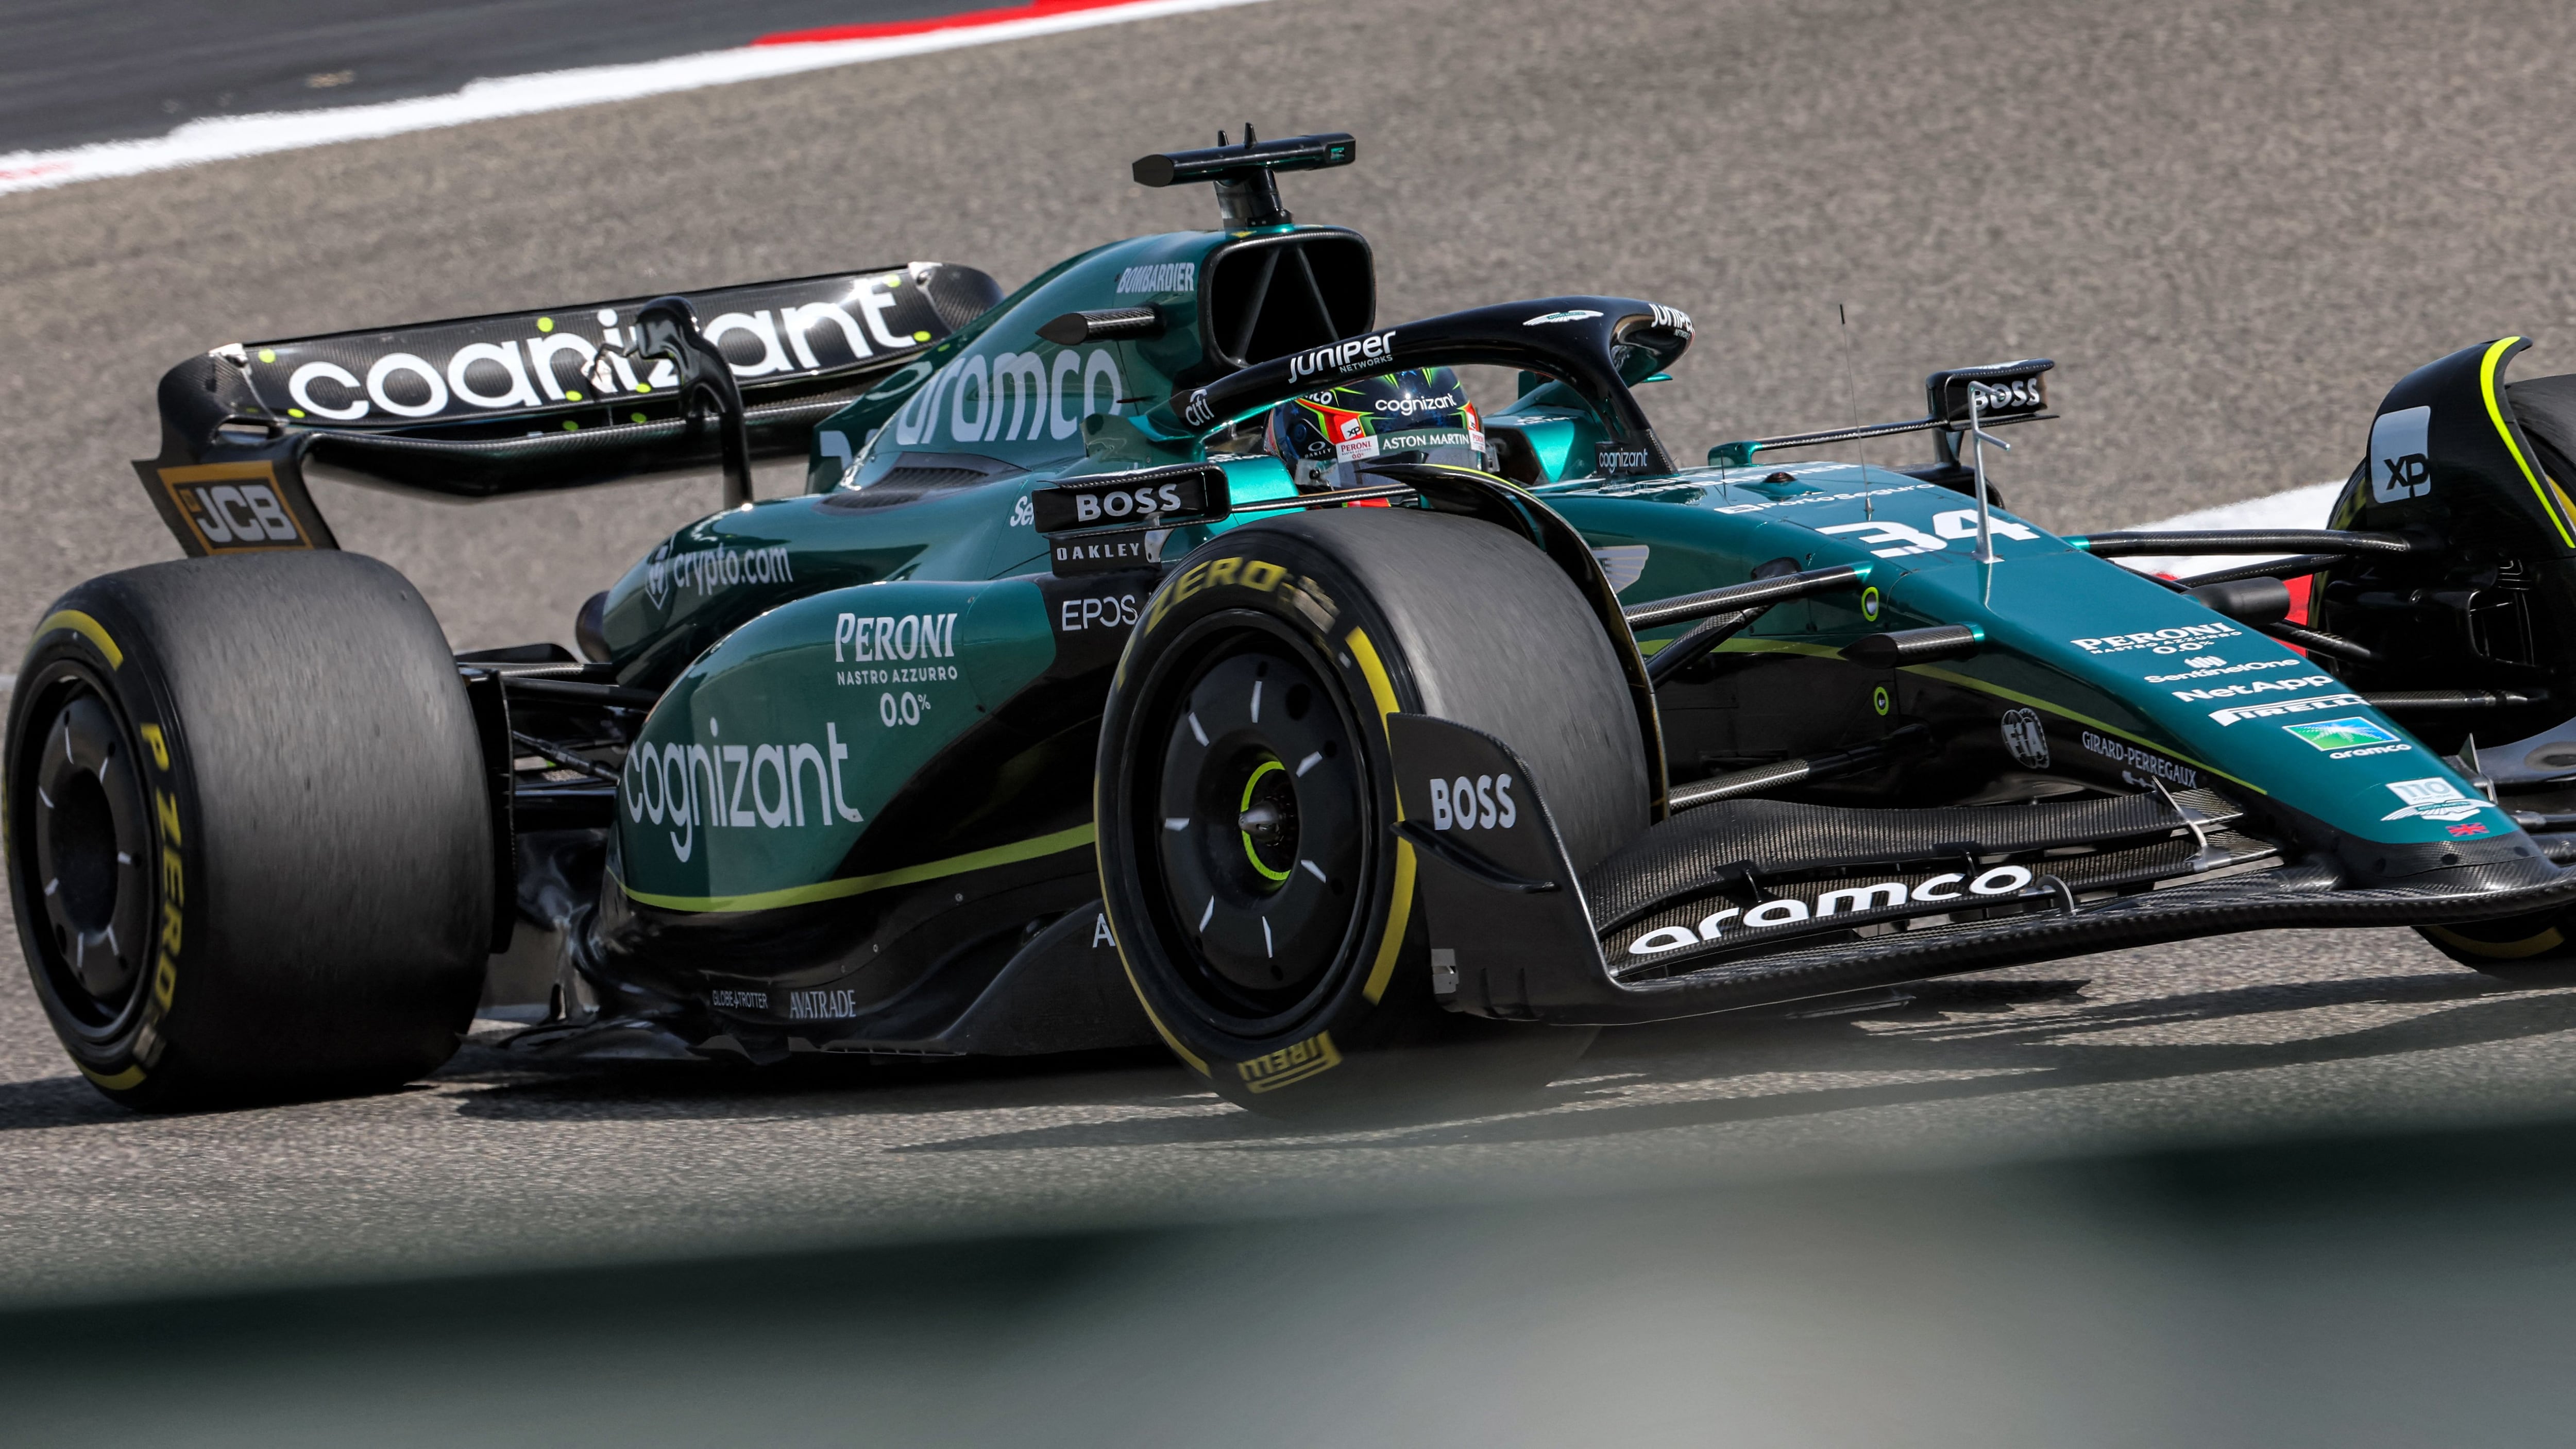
(1851, 398)
(1978, 438)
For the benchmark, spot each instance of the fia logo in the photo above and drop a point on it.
(2027, 738)
(657, 575)
(2399, 469)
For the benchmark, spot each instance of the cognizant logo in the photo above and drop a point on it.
(685, 786)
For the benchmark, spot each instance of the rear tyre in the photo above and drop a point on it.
(249, 849)
(1261, 900)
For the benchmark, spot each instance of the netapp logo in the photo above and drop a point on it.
(1160, 277)
(1352, 356)
(2254, 686)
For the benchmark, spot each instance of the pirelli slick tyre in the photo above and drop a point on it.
(2531, 950)
(1263, 904)
(249, 850)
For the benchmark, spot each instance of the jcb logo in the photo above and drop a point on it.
(233, 507)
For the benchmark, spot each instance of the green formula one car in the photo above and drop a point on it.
(1068, 708)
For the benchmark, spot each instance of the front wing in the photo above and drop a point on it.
(1815, 901)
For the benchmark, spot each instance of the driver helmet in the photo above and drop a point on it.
(1418, 416)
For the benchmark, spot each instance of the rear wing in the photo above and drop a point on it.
(522, 402)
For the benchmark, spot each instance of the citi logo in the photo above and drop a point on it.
(1348, 356)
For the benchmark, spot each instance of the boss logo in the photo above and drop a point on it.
(1483, 803)
(2021, 394)
(1125, 503)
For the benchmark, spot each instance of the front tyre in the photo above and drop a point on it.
(1264, 906)
(2533, 950)
(249, 849)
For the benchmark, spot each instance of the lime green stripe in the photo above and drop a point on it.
(833, 890)
(2495, 414)
(1784, 646)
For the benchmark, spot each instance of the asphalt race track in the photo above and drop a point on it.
(2234, 225)
(76, 72)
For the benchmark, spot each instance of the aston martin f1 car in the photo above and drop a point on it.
(1054, 715)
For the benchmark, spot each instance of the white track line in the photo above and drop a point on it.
(227, 137)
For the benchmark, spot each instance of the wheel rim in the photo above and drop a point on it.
(89, 827)
(1261, 819)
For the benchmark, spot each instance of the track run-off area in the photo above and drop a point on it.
(2234, 226)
